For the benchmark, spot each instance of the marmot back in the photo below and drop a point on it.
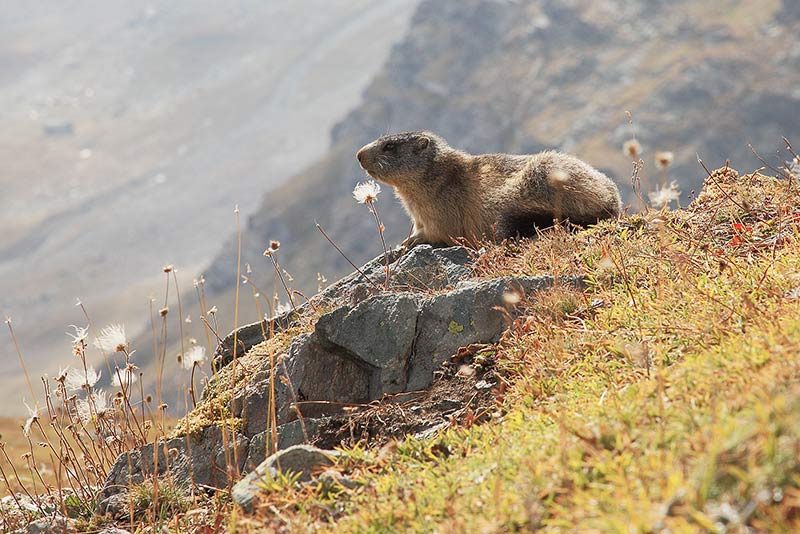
(450, 194)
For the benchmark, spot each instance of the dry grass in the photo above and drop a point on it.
(663, 397)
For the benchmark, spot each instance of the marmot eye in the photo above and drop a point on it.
(388, 147)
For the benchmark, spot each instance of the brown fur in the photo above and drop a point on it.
(450, 194)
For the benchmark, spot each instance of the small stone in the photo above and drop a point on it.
(116, 506)
(303, 460)
(448, 405)
(60, 525)
(289, 434)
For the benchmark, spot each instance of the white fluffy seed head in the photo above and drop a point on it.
(194, 356)
(366, 192)
(112, 339)
(632, 148)
(79, 378)
(663, 196)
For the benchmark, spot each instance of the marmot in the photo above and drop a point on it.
(450, 194)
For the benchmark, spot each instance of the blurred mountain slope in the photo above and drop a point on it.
(131, 130)
(520, 76)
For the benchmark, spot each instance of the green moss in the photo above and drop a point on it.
(214, 406)
(455, 328)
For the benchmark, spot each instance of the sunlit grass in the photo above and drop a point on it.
(664, 398)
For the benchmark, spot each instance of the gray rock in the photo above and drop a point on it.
(289, 434)
(423, 267)
(302, 460)
(315, 372)
(475, 312)
(373, 275)
(389, 343)
(380, 332)
(113, 530)
(201, 460)
(319, 374)
(50, 525)
(382, 343)
(251, 402)
(252, 334)
(117, 505)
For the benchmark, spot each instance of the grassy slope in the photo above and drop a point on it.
(663, 399)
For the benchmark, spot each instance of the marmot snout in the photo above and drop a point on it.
(450, 194)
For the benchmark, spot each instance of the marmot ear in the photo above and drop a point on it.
(422, 143)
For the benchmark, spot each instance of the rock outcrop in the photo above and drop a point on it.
(372, 343)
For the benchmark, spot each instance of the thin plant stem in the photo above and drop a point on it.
(374, 211)
(191, 386)
(202, 303)
(367, 278)
(11, 491)
(21, 361)
(180, 313)
(283, 281)
(225, 427)
(16, 477)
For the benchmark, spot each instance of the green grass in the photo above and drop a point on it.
(664, 398)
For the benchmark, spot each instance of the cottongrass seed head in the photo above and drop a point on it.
(96, 404)
(194, 356)
(632, 148)
(663, 196)
(112, 339)
(366, 192)
(663, 159)
(79, 378)
(33, 416)
(80, 335)
(123, 378)
(794, 166)
(282, 308)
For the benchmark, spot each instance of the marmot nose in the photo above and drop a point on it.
(361, 154)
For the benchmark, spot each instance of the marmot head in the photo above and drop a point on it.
(401, 159)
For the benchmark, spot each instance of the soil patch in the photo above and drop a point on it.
(465, 391)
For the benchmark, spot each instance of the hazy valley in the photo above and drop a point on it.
(130, 133)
